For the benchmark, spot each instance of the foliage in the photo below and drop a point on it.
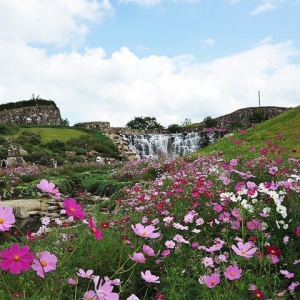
(174, 128)
(209, 122)
(28, 138)
(257, 116)
(34, 101)
(186, 220)
(186, 122)
(144, 123)
(44, 143)
(281, 131)
(8, 128)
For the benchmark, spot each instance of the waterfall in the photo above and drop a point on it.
(171, 145)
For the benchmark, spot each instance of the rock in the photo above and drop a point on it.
(21, 213)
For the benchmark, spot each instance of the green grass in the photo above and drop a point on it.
(49, 134)
(279, 130)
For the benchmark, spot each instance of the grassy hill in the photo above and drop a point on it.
(46, 142)
(283, 130)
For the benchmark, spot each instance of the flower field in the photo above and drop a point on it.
(200, 227)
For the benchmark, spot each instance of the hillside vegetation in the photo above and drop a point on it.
(282, 130)
(44, 143)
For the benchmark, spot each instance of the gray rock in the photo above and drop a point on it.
(21, 213)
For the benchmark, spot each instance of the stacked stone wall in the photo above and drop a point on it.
(240, 117)
(33, 115)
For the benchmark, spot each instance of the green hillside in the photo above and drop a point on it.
(44, 143)
(283, 130)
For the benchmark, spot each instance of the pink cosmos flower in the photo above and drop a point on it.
(49, 187)
(148, 250)
(145, 231)
(298, 231)
(212, 280)
(44, 262)
(89, 295)
(273, 258)
(165, 253)
(148, 277)
(7, 218)
(263, 151)
(73, 209)
(87, 274)
(16, 259)
(97, 232)
(72, 281)
(138, 257)
(104, 291)
(292, 286)
(287, 274)
(244, 249)
(233, 272)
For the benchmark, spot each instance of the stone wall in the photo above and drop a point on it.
(32, 115)
(240, 116)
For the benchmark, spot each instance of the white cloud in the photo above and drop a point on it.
(49, 21)
(262, 8)
(207, 42)
(93, 87)
(142, 2)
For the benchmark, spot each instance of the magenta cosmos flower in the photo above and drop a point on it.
(212, 280)
(96, 231)
(7, 218)
(73, 209)
(148, 277)
(16, 259)
(145, 231)
(49, 187)
(233, 272)
(44, 262)
(244, 249)
(104, 291)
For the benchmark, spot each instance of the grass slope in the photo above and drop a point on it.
(282, 130)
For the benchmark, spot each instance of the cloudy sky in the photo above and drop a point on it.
(113, 60)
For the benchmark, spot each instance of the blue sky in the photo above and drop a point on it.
(173, 60)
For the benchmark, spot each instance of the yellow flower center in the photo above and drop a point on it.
(16, 258)
(1, 221)
(243, 252)
(213, 282)
(72, 209)
(144, 233)
(232, 273)
(43, 263)
(94, 229)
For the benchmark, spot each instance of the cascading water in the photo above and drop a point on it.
(171, 145)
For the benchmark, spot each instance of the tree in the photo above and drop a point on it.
(144, 123)
(186, 122)
(257, 116)
(174, 128)
(209, 122)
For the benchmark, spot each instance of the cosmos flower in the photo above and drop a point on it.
(73, 209)
(244, 249)
(145, 231)
(44, 262)
(16, 259)
(7, 218)
(148, 277)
